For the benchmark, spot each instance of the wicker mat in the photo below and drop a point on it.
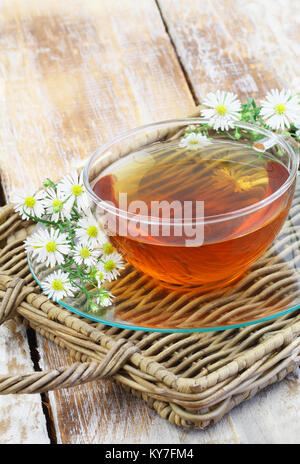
(190, 380)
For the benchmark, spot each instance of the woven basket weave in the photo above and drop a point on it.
(190, 380)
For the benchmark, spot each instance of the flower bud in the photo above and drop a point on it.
(94, 308)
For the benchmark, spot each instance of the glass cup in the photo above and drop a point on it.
(190, 206)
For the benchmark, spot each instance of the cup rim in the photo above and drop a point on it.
(107, 206)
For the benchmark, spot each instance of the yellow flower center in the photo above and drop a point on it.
(92, 231)
(30, 202)
(57, 285)
(221, 110)
(85, 253)
(51, 247)
(109, 265)
(280, 108)
(108, 249)
(57, 205)
(77, 190)
(193, 141)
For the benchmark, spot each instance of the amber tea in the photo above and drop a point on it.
(226, 178)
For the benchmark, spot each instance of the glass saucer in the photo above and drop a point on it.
(271, 288)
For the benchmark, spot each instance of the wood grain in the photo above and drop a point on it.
(74, 74)
(243, 46)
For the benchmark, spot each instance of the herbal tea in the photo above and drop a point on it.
(224, 177)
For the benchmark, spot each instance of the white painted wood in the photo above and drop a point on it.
(272, 416)
(21, 416)
(242, 46)
(74, 74)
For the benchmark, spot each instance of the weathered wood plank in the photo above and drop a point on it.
(272, 416)
(21, 416)
(240, 46)
(75, 74)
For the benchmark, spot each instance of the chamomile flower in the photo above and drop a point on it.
(58, 286)
(88, 231)
(194, 141)
(105, 299)
(49, 246)
(280, 109)
(55, 206)
(71, 188)
(84, 254)
(110, 266)
(223, 109)
(30, 203)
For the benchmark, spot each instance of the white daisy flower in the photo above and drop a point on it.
(58, 286)
(194, 141)
(84, 254)
(30, 203)
(110, 266)
(105, 299)
(55, 207)
(49, 246)
(224, 108)
(71, 188)
(89, 232)
(280, 109)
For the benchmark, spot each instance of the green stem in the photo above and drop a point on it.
(43, 221)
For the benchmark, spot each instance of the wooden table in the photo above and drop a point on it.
(73, 74)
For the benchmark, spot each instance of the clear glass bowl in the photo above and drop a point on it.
(268, 290)
(268, 287)
(244, 220)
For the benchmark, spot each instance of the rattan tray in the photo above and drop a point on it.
(190, 380)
